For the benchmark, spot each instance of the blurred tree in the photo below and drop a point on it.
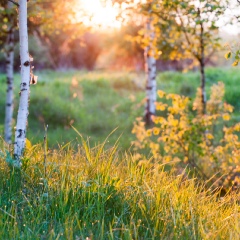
(85, 50)
(150, 69)
(143, 12)
(127, 51)
(196, 23)
(183, 29)
(63, 36)
(8, 19)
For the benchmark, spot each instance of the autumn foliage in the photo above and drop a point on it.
(182, 137)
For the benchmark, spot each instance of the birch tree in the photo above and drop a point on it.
(142, 11)
(150, 69)
(9, 53)
(26, 78)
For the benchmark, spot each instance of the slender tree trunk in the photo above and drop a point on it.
(151, 85)
(9, 72)
(202, 71)
(20, 134)
(203, 87)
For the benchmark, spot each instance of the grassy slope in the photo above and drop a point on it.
(99, 193)
(96, 194)
(104, 101)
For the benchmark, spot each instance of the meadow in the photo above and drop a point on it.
(97, 103)
(86, 185)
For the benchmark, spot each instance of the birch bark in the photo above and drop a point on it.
(150, 70)
(9, 73)
(20, 133)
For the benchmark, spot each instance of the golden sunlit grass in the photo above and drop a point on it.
(92, 193)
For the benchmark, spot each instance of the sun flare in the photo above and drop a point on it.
(99, 14)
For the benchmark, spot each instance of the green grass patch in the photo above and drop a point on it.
(98, 102)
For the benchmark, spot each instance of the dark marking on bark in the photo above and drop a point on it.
(148, 114)
(8, 62)
(8, 104)
(9, 89)
(9, 80)
(24, 84)
(20, 133)
(26, 64)
(24, 89)
(148, 88)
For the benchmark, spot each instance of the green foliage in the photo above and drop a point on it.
(98, 194)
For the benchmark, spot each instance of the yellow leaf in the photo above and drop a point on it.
(235, 63)
(209, 136)
(174, 122)
(160, 106)
(156, 131)
(226, 117)
(28, 144)
(161, 93)
(167, 158)
(149, 132)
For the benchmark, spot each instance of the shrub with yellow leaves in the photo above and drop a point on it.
(202, 143)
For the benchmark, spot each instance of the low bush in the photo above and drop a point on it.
(205, 144)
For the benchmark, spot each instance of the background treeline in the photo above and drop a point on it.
(63, 48)
(95, 50)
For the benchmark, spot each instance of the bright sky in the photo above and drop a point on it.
(233, 10)
(99, 14)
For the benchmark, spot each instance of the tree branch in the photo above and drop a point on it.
(14, 2)
(209, 56)
(186, 35)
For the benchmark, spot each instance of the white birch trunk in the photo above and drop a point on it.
(150, 69)
(9, 73)
(20, 134)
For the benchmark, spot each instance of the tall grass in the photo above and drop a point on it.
(98, 193)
